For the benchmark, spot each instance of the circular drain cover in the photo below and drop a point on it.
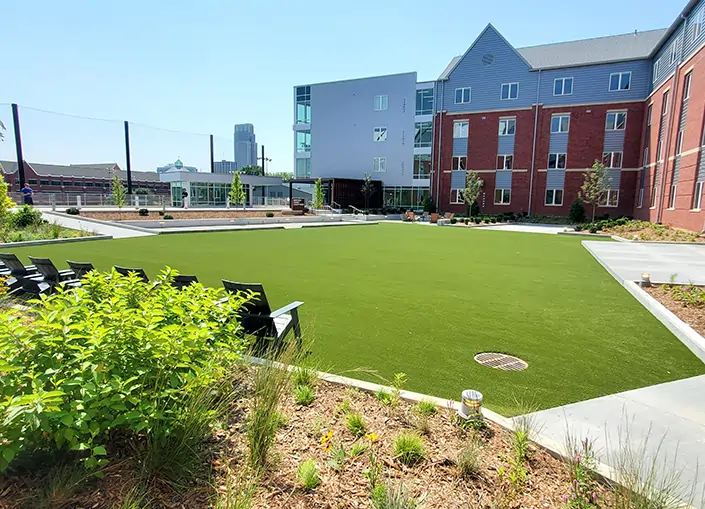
(501, 361)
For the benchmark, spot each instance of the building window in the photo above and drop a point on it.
(68, 183)
(654, 191)
(456, 196)
(423, 135)
(32, 182)
(303, 168)
(612, 159)
(664, 104)
(610, 198)
(460, 129)
(459, 163)
(560, 123)
(620, 81)
(556, 161)
(616, 121)
(424, 101)
(554, 197)
(56, 183)
(507, 126)
(505, 161)
(641, 198)
(645, 161)
(672, 196)
(463, 95)
(303, 105)
(563, 86)
(422, 166)
(648, 114)
(659, 145)
(673, 52)
(379, 164)
(44, 183)
(380, 134)
(510, 91)
(686, 86)
(679, 142)
(91, 184)
(502, 196)
(698, 26)
(303, 141)
(381, 102)
(698, 195)
(657, 70)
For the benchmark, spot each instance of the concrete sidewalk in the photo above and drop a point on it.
(117, 232)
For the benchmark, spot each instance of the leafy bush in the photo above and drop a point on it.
(26, 216)
(356, 424)
(168, 216)
(425, 408)
(485, 219)
(270, 214)
(304, 395)
(73, 211)
(592, 228)
(409, 448)
(493, 220)
(143, 212)
(115, 355)
(466, 220)
(307, 474)
(453, 220)
(579, 227)
(161, 213)
(474, 209)
(576, 214)
(469, 459)
(476, 220)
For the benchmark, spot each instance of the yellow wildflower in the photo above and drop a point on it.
(326, 440)
(372, 437)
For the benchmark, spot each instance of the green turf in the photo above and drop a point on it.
(425, 300)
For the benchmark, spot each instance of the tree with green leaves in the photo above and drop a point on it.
(284, 175)
(368, 189)
(595, 185)
(473, 188)
(251, 170)
(318, 195)
(237, 191)
(6, 202)
(118, 191)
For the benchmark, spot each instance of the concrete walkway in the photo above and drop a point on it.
(117, 232)
(628, 260)
(272, 226)
(666, 421)
(528, 228)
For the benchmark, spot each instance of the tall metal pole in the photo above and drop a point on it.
(212, 157)
(127, 157)
(18, 143)
(263, 161)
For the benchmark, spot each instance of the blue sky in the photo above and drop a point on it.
(202, 66)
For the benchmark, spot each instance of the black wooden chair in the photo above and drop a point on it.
(16, 271)
(259, 320)
(34, 287)
(182, 281)
(80, 269)
(51, 275)
(126, 271)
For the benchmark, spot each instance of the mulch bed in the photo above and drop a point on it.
(648, 234)
(131, 215)
(692, 315)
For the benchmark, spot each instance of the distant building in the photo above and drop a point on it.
(224, 166)
(176, 166)
(245, 146)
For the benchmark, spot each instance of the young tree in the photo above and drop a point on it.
(118, 191)
(237, 191)
(368, 189)
(473, 188)
(318, 195)
(6, 202)
(594, 186)
(251, 170)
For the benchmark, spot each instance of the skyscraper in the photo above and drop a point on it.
(245, 146)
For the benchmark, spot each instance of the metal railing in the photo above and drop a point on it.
(65, 200)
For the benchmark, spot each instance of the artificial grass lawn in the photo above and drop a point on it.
(422, 300)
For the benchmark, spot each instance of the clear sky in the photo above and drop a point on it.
(202, 66)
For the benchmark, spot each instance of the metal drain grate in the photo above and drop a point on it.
(501, 361)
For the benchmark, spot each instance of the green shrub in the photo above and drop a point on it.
(26, 216)
(476, 220)
(161, 213)
(307, 474)
(304, 395)
(425, 408)
(115, 355)
(579, 227)
(73, 211)
(356, 424)
(466, 220)
(493, 220)
(143, 212)
(453, 220)
(592, 228)
(270, 214)
(576, 214)
(474, 209)
(409, 448)
(168, 216)
(485, 219)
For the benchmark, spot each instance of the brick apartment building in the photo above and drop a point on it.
(530, 121)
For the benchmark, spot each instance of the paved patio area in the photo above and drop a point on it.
(628, 260)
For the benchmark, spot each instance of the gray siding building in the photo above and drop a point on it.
(245, 146)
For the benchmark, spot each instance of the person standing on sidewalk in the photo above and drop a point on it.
(27, 194)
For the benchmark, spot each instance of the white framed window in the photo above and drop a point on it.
(554, 197)
(456, 196)
(380, 133)
(560, 123)
(645, 161)
(620, 81)
(557, 161)
(612, 159)
(423, 134)
(686, 85)
(303, 141)
(422, 166)
(505, 161)
(664, 103)
(563, 86)
(673, 52)
(640, 201)
(463, 95)
(460, 129)
(303, 168)
(654, 191)
(616, 121)
(509, 91)
(502, 196)
(659, 146)
(672, 196)
(610, 198)
(698, 25)
(648, 114)
(381, 102)
(379, 164)
(698, 195)
(679, 142)
(459, 162)
(657, 70)
(507, 126)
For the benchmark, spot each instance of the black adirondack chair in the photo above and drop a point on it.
(80, 269)
(15, 271)
(125, 271)
(259, 320)
(181, 281)
(51, 275)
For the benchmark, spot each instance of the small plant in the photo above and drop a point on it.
(270, 214)
(453, 220)
(472, 424)
(55, 230)
(421, 424)
(161, 213)
(386, 496)
(374, 471)
(117, 189)
(73, 211)
(358, 448)
(384, 397)
(493, 219)
(469, 458)
(576, 214)
(280, 420)
(425, 408)
(168, 216)
(304, 395)
(307, 474)
(485, 219)
(476, 220)
(356, 424)
(338, 458)
(305, 376)
(582, 491)
(344, 407)
(516, 473)
(409, 448)
(26, 216)
(143, 212)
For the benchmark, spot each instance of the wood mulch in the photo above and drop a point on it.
(692, 315)
(132, 215)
